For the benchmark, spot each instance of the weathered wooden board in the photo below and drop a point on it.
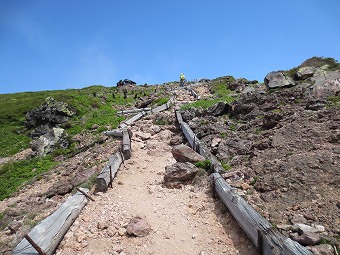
(272, 242)
(126, 145)
(193, 93)
(188, 133)
(132, 111)
(103, 179)
(128, 122)
(114, 133)
(49, 232)
(160, 108)
(179, 118)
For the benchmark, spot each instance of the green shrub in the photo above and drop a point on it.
(205, 103)
(226, 166)
(333, 101)
(206, 164)
(159, 122)
(161, 101)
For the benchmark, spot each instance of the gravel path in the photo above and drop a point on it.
(183, 221)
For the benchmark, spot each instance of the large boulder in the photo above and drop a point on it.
(218, 109)
(55, 139)
(178, 174)
(183, 153)
(50, 112)
(326, 83)
(304, 72)
(278, 79)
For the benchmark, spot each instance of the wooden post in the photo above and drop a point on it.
(111, 179)
(103, 178)
(126, 145)
(86, 195)
(35, 246)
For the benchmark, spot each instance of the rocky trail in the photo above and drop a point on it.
(173, 221)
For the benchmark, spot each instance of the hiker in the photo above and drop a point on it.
(182, 79)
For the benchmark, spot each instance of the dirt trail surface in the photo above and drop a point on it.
(182, 221)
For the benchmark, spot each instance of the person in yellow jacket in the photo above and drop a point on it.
(182, 79)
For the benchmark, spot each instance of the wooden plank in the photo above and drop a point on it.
(114, 133)
(160, 108)
(103, 178)
(291, 247)
(188, 133)
(49, 232)
(244, 215)
(126, 145)
(132, 111)
(273, 242)
(134, 118)
(179, 118)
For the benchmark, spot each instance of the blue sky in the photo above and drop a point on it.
(61, 44)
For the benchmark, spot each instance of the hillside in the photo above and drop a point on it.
(278, 142)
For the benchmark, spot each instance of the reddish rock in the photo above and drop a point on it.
(183, 153)
(138, 227)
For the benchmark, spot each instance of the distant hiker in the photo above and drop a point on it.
(182, 79)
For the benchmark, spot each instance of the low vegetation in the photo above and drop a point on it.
(220, 93)
(14, 174)
(94, 105)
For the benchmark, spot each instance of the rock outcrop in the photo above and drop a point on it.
(45, 121)
(50, 112)
(278, 80)
(55, 138)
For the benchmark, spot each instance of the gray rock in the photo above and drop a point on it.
(298, 218)
(138, 227)
(285, 227)
(307, 238)
(322, 249)
(218, 109)
(143, 136)
(304, 73)
(183, 153)
(50, 112)
(156, 129)
(325, 87)
(178, 174)
(303, 228)
(270, 120)
(278, 79)
(55, 139)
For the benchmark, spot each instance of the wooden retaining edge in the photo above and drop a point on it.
(117, 132)
(140, 115)
(193, 93)
(132, 111)
(267, 239)
(107, 174)
(49, 232)
(126, 145)
(128, 122)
